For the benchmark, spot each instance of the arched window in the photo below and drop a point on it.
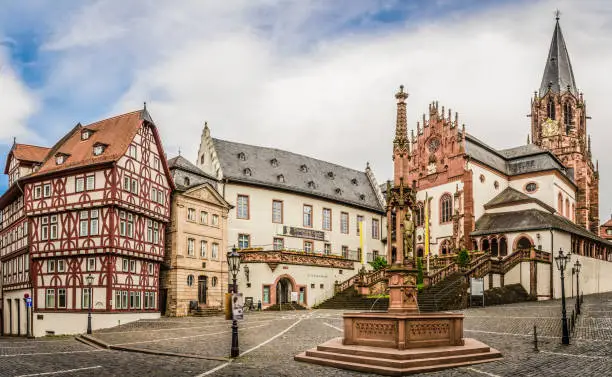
(485, 245)
(503, 247)
(446, 208)
(523, 244)
(475, 245)
(550, 108)
(560, 204)
(420, 214)
(186, 181)
(567, 209)
(567, 116)
(202, 159)
(573, 217)
(494, 247)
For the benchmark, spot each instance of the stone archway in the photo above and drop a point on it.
(494, 247)
(503, 247)
(523, 242)
(282, 288)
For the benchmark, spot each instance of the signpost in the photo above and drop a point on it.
(477, 289)
(28, 301)
(237, 306)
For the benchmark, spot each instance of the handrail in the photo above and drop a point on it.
(367, 279)
(443, 293)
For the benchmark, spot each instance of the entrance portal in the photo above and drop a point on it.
(202, 288)
(283, 291)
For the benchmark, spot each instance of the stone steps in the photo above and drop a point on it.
(207, 312)
(393, 362)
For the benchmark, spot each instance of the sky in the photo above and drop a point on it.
(315, 77)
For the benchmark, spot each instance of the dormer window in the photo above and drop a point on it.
(98, 149)
(186, 181)
(312, 185)
(242, 156)
(330, 175)
(304, 169)
(280, 178)
(60, 159)
(247, 171)
(338, 191)
(274, 162)
(361, 197)
(85, 134)
(354, 181)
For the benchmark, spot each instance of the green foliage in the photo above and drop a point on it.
(463, 257)
(378, 263)
(420, 269)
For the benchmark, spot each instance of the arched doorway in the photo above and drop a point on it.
(503, 247)
(283, 291)
(420, 252)
(485, 245)
(494, 247)
(202, 288)
(444, 248)
(523, 243)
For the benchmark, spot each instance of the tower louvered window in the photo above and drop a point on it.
(567, 117)
(550, 109)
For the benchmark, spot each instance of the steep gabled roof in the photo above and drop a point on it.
(180, 162)
(558, 73)
(512, 196)
(116, 133)
(26, 153)
(289, 171)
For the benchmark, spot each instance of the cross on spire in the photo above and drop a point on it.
(557, 14)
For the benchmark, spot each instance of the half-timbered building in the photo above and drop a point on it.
(96, 206)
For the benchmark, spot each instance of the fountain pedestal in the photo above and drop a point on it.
(401, 341)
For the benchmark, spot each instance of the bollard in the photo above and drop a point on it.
(535, 339)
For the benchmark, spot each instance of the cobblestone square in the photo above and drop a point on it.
(269, 340)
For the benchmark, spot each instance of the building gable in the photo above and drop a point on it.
(207, 193)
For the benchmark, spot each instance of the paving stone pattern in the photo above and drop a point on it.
(268, 347)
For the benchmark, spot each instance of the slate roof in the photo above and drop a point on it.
(608, 223)
(181, 163)
(531, 219)
(290, 171)
(116, 133)
(27, 153)
(558, 71)
(514, 161)
(512, 196)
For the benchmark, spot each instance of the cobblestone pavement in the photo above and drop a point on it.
(268, 342)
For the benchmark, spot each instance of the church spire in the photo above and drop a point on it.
(558, 74)
(400, 142)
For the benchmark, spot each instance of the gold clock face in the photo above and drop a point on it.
(550, 127)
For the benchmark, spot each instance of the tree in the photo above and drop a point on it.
(463, 258)
(378, 263)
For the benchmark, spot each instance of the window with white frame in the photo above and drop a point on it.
(60, 266)
(44, 228)
(375, 229)
(130, 225)
(344, 222)
(327, 248)
(125, 265)
(90, 183)
(190, 246)
(156, 165)
(215, 251)
(277, 211)
(149, 230)
(153, 194)
(203, 248)
(122, 223)
(132, 266)
(215, 220)
(244, 241)
(203, 217)
(126, 183)
(83, 223)
(160, 197)
(150, 268)
(50, 298)
(278, 243)
(124, 299)
(93, 222)
(80, 185)
(242, 207)
(134, 187)
(156, 232)
(59, 159)
(191, 214)
(50, 266)
(61, 298)
(327, 219)
(53, 227)
(98, 150)
(37, 192)
(47, 190)
(133, 151)
(91, 264)
(85, 298)
(308, 246)
(307, 211)
(118, 300)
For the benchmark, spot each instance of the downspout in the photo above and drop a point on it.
(552, 262)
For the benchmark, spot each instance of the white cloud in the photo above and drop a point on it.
(277, 74)
(17, 104)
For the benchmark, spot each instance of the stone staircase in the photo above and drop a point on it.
(285, 306)
(449, 294)
(206, 312)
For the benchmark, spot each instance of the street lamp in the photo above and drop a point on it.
(576, 268)
(90, 280)
(561, 261)
(233, 261)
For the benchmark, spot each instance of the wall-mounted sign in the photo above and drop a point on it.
(304, 233)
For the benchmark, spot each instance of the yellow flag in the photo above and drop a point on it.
(426, 205)
(361, 242)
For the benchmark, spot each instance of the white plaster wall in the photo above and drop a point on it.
(516, 208)
(549, 186)
(496, 281)
(514, 275)
(260, 274)
(543, 281)
(437, 232)
(262, 230)
(485, 191)
(76, 323)
(12, 295)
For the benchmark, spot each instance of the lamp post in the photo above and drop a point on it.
(90, 280)
(233, 261)
(561, 261)
(576, 268)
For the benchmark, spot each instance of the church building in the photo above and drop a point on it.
(542, 196)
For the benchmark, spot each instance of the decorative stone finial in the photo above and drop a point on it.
(557, 14)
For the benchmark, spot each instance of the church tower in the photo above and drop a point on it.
(558, 123)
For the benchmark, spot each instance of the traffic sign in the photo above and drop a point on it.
(29, 302)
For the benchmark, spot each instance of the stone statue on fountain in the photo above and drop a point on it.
(408, 237)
